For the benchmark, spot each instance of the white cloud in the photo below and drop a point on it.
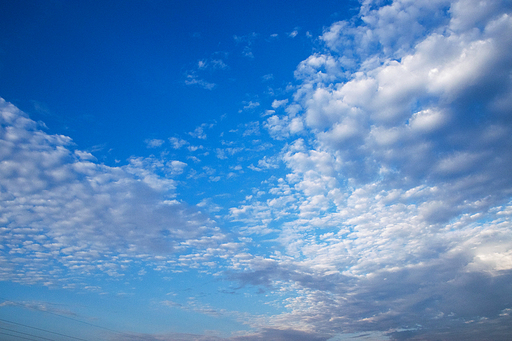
(177, 167)
(177, 143)
(276, 104)
(66, 213)
(193, 79)
(213, 64)
(84, 155)
(154, 143)
(247, 41)
(199, 133)
(267, 77)
(398, 192)
(194, 148)
(251, 128)
(221, 154)
(250, 106)
(428, 120)
(204, 67)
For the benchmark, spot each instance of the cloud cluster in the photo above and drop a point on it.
(397, 201)
(64, 213)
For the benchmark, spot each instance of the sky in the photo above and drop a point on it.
(256, 170)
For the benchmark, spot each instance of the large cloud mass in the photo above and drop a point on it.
(400, 180)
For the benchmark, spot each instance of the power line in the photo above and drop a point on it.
(15, 331)
(43, 330)
(19, 337)
(67, 317)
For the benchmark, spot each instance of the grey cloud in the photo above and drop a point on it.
(264, 334)
(437, 301)
(283, 335)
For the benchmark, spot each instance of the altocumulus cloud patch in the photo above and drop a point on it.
(64, 213)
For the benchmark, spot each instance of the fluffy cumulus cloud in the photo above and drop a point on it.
(64, 215)
(397, 215)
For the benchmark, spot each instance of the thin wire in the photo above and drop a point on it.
(67, 317)
(19, 337)
(44, 330)
(15, 331)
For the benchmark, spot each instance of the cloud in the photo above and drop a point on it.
(40, 306)
(62, 211)
(249, 106)
(397, 198)
(268, 77)
(388, 124)
(282, 335)
(293, 34)
(176, 167)
(177, 143)
(154, 143)
(247, 42)
(251, 128)
(390, 218)
(199, 133)
(212, 64)
(193, 79)
(276, 104)
(204, 67)
(265, 334)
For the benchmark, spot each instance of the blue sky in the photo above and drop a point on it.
(256, 170)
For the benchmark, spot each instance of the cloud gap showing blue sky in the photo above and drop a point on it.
(256, 170)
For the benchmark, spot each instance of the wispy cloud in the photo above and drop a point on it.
(293, 34)
(246, 41)
(204, 68)
(154, 143)
(193, 79)
(248, 106)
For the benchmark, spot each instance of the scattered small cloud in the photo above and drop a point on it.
(249, 106)
(177, 143)
(154, 143)
(276, 103)
(193, 79)
(293, 34)
(267, 77)
(247, 42)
